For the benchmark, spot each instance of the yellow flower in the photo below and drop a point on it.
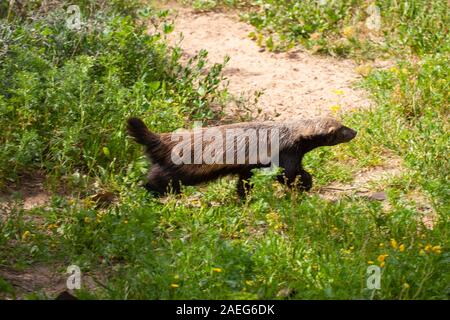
(428, 248)
(382, 257)
(88, 202)
(364, 69)
(421, 252)
(346, 251)
(348, 32)
(382, 264)
(217, 270)
(401, 248)
(437, 249)
(51, 226)
(406, 286)
(370, 262)
(338, 92)
(278, 226)
(25, 235)
(381, 245)
(249, 282)
(394, 243)
(336, 108)
(87, 219)
(393, 69)
(125, 221)
(174, 285)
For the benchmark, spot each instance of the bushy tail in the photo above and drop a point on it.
(139, 131)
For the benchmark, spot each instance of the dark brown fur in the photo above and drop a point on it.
(296, 139)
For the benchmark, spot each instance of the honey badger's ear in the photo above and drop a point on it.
(332, 129)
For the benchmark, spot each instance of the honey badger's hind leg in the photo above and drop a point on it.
(160, 182)
(244, 184)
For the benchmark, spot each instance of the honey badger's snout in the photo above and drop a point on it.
(341, 135)
(348, 133)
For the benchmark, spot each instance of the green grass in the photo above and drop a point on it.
(64, 98)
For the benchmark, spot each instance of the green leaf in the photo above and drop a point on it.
(106, 151)
(154, 85)
(168, 28)
(201, 91)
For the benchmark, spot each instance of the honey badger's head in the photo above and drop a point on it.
(329, 132)
(339, 133)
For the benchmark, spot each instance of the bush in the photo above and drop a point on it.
(65, 94)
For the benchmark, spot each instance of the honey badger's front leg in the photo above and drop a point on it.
(294, 175)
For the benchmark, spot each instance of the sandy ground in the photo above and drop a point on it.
(49, 280)
(294, 84)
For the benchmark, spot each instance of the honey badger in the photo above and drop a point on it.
(210, 153)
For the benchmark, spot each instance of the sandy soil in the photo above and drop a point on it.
(48, 280)
(294, 84)
(365, 182)
(38, 278)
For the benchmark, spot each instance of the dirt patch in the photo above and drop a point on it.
(31, 189)
(37, 279)
(294, 84)
(27, 193)
(46, 280)
(367, 184)
(364, 180)
(423, 204)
